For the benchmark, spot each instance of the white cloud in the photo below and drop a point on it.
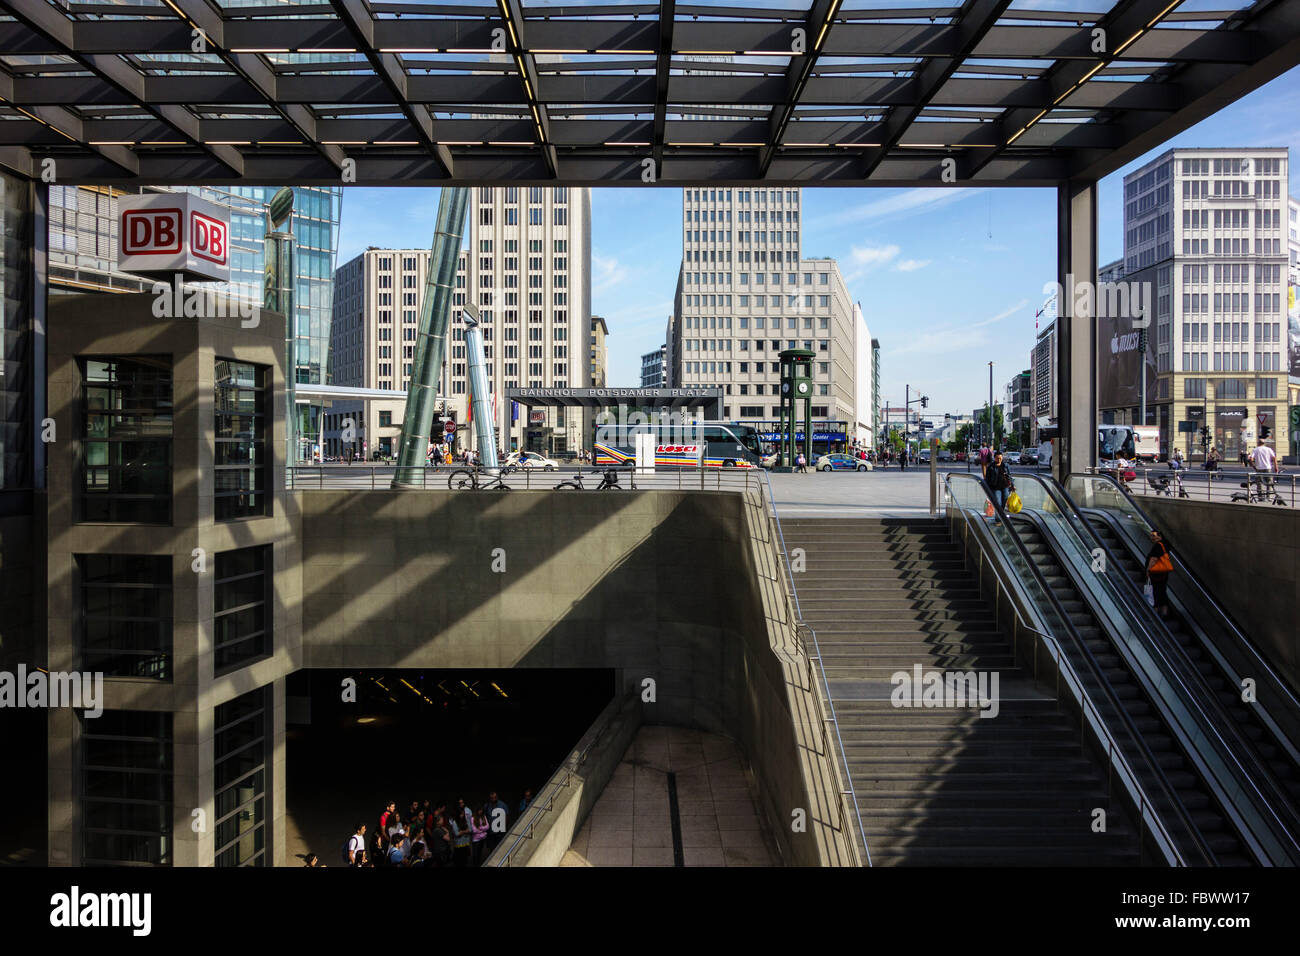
(911, 265)
(957, 338)
(606, 272)
(902, 205)
(874, 255)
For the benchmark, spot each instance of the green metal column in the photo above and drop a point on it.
(431, 344)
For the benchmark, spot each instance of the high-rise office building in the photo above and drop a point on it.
(744, 294)
(599, 352)
(652, 367)
(1206, 229)
(1293, 317)
(867, 380)
(526, 268)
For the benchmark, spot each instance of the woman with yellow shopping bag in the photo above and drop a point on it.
(998, 477)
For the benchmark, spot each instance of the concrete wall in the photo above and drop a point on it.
(680, 588)
(1249, 558)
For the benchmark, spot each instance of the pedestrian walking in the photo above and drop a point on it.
(998, 477)
(354, 851)
(1159, 566)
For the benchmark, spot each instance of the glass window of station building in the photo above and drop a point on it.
(125, 455)
(124, 614)
(242, 603)
(240, 755)
(126, 788)
(242, 472)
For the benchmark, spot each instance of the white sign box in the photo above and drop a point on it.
(165, 233)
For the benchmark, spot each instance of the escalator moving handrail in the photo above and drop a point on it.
(1186, 575)
(1144, 750)
(1157, 637)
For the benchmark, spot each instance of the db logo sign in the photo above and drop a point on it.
(207, 238)
(165, 234)
(151, 232)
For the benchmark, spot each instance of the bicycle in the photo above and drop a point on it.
(1260, 489)
(463, 478)
(608, 482)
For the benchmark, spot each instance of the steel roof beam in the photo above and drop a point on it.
(663, 69)
(975, 20)
(361, 27)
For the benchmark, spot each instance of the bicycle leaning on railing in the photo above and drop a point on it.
(1261, 488)
(475, 480)
(608, 482)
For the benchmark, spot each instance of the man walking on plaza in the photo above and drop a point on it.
(1263, 458)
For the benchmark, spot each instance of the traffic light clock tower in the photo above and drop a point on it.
(796, 385)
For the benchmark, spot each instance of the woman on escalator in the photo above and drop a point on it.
(1160, 565)
(998, 477)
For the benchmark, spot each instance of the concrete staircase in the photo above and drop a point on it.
(943, 786)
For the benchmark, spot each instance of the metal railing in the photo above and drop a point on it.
(380, 478)
(562, 779)
(1227, 486)
(1089, 713)
(850, 814)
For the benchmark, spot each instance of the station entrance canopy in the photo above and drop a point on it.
(834, 92)
(708, 400)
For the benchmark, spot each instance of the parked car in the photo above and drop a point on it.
(770, 459)
(1029, 457)
(945, 454)
(531, 460)
(960, 456)
(842, 462)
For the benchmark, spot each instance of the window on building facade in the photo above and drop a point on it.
(125, 457)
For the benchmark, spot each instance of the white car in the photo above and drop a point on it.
(770, 460)
(531, 460)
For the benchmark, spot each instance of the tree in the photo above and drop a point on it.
(999, 429)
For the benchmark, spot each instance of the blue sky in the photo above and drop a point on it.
(948, 279)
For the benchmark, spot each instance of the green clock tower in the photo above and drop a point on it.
(796, 386)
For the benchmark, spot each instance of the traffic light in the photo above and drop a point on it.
(1205, 435)
(1265, 431)
(925, 401)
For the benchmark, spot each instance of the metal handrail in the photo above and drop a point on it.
(845, 782)
(1202, 845)
(1157, 637)
(572, 764)
(1146, 809)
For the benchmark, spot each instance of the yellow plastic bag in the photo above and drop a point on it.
(1014, 504)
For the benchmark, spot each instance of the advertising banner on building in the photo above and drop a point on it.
(1119, 372)
(1293, 333)
(162, 234)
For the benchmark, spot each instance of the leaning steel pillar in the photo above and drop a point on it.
(431, 343)
(1076, 333)
(478, 384)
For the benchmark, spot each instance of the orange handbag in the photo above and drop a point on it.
(1161, 565)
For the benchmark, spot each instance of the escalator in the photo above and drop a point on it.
(1220, 774)
(1270, 723)
(1205, 813)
